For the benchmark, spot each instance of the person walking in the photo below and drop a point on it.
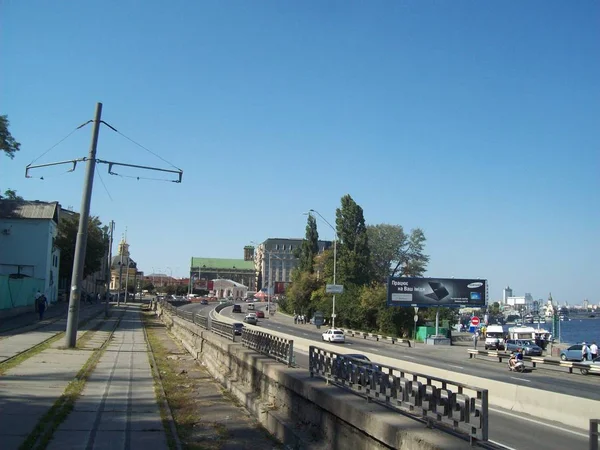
(475, 338)
(594, 350)
(42, 304)
(584, 351)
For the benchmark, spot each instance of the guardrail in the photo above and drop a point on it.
(377, 337)
(458, 406)
(535, 360)
(222, 329)
(594, 434)
(267, 344)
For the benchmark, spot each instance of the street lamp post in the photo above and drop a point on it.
(334, 261)
(269, 293)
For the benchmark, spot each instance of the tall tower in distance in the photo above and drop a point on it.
(506, 292)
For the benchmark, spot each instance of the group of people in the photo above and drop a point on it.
(589, 352)
(299, 318)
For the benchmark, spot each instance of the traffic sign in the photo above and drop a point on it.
(334, 289)
(416, 318)
(475, 321)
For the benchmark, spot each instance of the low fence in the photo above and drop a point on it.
(222, 329)
(458, 406)
(594, 434)
(535, 360)
(377, 337)
(267, 344)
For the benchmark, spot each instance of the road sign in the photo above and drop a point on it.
(333, 316)
(416, 318)
(475, 321)
(334, 288)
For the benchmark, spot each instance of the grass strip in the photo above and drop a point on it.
(41, 435)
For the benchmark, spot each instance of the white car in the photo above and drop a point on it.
(334, 335)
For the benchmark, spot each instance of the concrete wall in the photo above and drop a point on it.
(566, 409)
(17, 295)
(300, 411)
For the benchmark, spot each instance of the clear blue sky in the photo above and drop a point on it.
(477, 121)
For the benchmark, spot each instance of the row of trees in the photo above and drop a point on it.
(366, 256)
(97, 241)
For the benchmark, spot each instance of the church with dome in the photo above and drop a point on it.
(123, 269)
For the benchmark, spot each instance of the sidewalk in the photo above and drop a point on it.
(32, 318)
(18, 343)
(118, 407)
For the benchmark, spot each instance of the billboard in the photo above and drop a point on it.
(429, 292)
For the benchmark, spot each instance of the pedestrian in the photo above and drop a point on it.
(295, 319)
(584, 351)
(42, 304)
(38, 294)
(594, 350)
(475, 338)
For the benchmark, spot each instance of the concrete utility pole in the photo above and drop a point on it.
(80, 245)
(108, 269)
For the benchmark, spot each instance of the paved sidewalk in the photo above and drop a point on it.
(29, 390)
(14, 324)
(18, 343)
(118, 407)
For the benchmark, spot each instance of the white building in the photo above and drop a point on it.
(524, 302)
(28, 256)
(225, 288)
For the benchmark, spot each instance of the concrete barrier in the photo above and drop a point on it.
(547, 405)
(301, 411)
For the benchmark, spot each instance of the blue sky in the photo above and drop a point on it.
(476, 121)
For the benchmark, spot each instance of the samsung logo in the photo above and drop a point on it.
(474, 285)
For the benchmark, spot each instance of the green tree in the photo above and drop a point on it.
(300, 291)
(310, 246)
(8, 144)
(97, 245)
(148, 286)
(414, 263)
(11, 194)
(354, 256)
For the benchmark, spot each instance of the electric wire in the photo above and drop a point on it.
(140, 145)
(102, 181)
(135, 177)
(61, 141)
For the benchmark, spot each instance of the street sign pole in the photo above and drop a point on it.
(416, 319)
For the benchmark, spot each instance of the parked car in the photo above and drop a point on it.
(251, 319)
(573, 353)
(237, 309)
(334, 335)
(204, 302)
(237, 328)
(595, 362)
(260, 314)
(529, 347)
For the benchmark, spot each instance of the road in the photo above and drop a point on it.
(507, 429)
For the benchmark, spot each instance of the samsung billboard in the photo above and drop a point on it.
(428, 292)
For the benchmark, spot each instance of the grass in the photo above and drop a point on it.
(41, 435)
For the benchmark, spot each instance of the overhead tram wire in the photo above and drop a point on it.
(61, 141)
(102, 181)
(142, 147)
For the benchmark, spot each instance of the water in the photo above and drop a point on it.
(572, 332)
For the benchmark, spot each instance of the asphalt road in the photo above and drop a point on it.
(506, 429)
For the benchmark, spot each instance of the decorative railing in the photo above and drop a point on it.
(461, 407)
(270, 345)
(222, 329)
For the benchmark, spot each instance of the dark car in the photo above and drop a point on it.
(237, 309)
(573, 353)
(237, 328)
(529, 347)
(204, 302)
(260, 314)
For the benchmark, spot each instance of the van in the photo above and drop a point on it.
(494, 337)
(251, 307)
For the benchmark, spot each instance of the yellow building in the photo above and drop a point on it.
(123, 270)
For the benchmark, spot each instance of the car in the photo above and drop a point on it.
(334, 335)
(237, 309)
(204, 302)
(251, 319)
(595, 363)
(260, 314)
(529, 347)
(573, 353)
(251, 307)
(237, 328)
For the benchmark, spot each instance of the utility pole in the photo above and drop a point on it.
(127, 280)
(80, 245)
(108, 269)
(120, 276)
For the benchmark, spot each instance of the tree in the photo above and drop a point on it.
(299, 293)
(391, 247)
(8, 144)
(310, 246)
(354, 256)
(148, 286)
(97, 245)
(11, 194)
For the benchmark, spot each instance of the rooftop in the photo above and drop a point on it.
(222, 263)
(21, 209)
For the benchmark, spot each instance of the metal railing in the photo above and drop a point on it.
(535, 360)
(274, 346)
(461, 407)
(377, 337)
(594, 434)
(222, 329)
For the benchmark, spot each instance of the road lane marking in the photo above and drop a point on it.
(554, 427)
(458, 367)
(521, 379)
(501, 445)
